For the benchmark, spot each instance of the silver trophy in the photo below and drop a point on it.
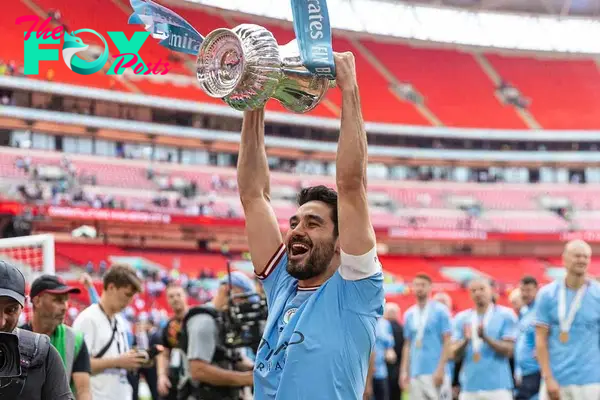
(246, 67)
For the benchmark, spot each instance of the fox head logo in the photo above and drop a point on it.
(73, 45)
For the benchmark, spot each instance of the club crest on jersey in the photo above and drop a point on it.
(288, 315)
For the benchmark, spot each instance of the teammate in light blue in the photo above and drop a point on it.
(323, 280)
(527, 369)
(568, 330)
(427, 334)
(484, 336)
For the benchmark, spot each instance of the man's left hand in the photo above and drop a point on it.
(345, 71)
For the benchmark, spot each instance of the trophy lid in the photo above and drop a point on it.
(220, 64)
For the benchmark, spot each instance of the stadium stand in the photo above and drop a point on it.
(457, 90)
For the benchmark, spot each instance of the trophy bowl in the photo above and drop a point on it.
(246, 67)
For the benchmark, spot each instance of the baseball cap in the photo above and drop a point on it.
(240, 280)
(12, 282)
(50, 284)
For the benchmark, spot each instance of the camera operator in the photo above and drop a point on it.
(213, 371)
(106, 337)
(49, 297)
(43, 375)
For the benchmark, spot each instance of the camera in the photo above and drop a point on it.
(11, 382)
(150, 354)
(245, 318)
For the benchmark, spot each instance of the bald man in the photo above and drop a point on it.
(514, 298)
(484, 336)
(567, 332)
(392, 314)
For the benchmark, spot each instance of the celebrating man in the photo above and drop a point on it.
(568, 330)
(427, 335)
(323, 281)
(485, 336)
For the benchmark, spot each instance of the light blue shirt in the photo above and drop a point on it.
(576, 362)
(324, 346)
(525, 358)
(425, 359)
(492, 371)
(384, 340)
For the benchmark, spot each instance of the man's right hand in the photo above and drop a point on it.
(131, 360)
(553, 389)
(164, 384)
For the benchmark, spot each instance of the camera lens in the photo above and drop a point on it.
(3, 352)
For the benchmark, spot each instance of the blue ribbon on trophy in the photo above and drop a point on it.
(174, 32)
(245, 66)
(313, 30)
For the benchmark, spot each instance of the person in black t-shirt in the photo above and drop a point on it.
(169, 364)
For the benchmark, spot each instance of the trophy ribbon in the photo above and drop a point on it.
(311, 25)
(313, 31)
(174, 32)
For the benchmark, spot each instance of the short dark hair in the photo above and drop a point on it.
(122, 275)
(529, 280)
(325, 195)
(423, 276)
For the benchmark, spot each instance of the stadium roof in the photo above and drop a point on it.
(584, 8)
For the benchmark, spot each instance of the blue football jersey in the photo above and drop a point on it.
(317, 341)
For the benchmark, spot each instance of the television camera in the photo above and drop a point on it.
(245, 318)
(12, 380)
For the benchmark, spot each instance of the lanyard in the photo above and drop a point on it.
(422, 315)
(566, 319)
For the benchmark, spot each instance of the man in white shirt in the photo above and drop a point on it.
(106, 336)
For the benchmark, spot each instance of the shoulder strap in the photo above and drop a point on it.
(103, 351)
(33, 348)
(192, 312)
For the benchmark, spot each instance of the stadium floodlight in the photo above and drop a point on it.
(33, 255)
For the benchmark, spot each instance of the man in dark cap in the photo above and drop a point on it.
(43, 375)
(49, 296)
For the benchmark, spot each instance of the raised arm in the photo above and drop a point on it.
(262, 228)
(357, 236)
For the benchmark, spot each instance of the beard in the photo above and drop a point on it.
(315, 264)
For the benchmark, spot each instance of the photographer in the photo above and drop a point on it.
(106, 337)
(214, 371)
(43, 375)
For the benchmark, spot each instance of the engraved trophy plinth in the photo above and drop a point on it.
(246, 67)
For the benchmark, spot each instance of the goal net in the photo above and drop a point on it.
(34, 255)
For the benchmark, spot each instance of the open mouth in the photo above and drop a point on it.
(298, 250)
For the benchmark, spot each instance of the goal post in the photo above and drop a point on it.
(34, 255)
